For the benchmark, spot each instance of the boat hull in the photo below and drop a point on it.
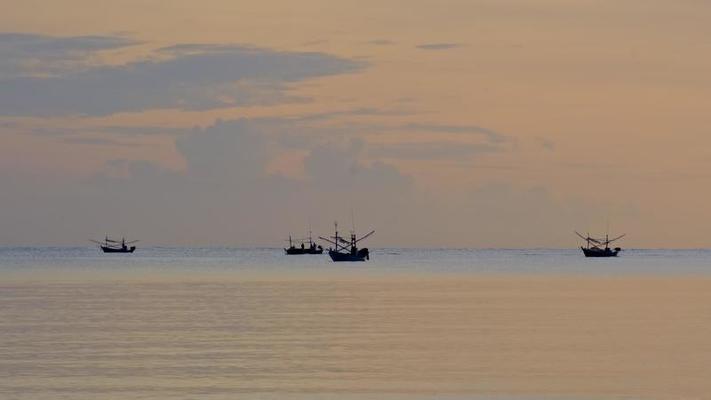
(297, 251)
(118, 250)
(599, 253)
(337, 256)
(344, 257)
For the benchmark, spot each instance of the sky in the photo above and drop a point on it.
(477, 123)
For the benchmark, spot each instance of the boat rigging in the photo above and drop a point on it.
(312, 248)
(599, 247)
(115, 246)
(347, 250)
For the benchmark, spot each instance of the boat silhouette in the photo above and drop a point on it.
(347, 250)
(303, 249)
(599, 247)
(115, 246)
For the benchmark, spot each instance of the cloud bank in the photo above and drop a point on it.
(228, 194)
(31, 55)
(183, 76)
(438, 46)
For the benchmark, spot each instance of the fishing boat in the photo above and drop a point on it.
(599, 247)
(312, 247)
(347, 250)
(115, 246)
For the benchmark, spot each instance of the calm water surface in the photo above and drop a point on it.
(168, 262)
(178, 323)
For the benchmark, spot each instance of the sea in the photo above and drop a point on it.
(233, 323)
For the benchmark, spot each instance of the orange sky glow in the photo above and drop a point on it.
(440, 123)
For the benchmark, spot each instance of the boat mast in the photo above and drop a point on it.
(336, 225)
(353, 234)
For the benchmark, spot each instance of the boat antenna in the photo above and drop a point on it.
(352, 221)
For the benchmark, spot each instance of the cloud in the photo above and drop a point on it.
(44, 130)
(7, 125)
(140, 130)
(381, 42)
(228, 195)
(94, 141)
(313, 130)
(472, 140)
(310, 130)
(432, 150)
(27, 55)
(240, 150)
(227, 191)
(358, 112)
(188, 76)
(490, 134)
(439, 46)
(341, 166)
(315, 42)
(226, 151)
(547, 144)
(527, 217)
